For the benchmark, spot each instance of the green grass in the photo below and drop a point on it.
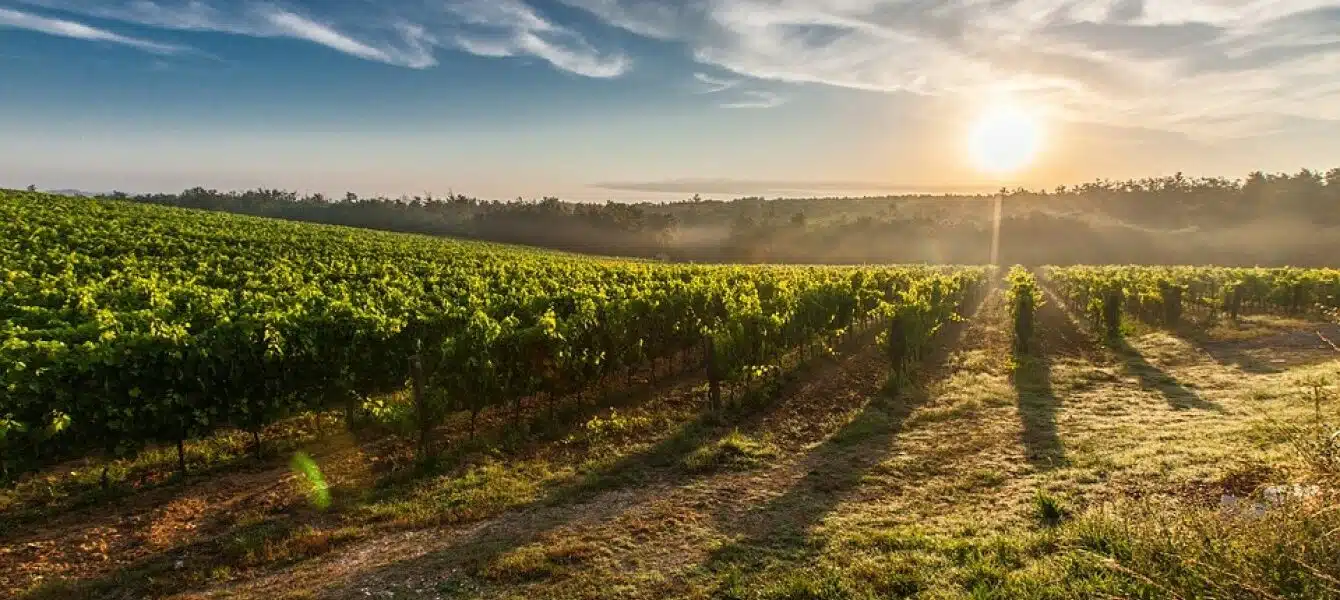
(79, 483)
(734, 451)
(1049, 509)
(542, 561)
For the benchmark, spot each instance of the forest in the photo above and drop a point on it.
(1261, 220)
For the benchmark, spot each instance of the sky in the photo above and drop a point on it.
(598, 100)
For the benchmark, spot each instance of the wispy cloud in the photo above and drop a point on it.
(405, 34)
(574, 59)
(72, 29)
(1188, 66)
(746, 98)
(654, 19)
(499, 28)
(416, 56)
(756, 99)
(712, 85)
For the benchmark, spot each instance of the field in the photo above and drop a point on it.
(206, 405)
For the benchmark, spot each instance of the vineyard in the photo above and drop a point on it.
(436, 418)
(1166, 295)
(123, 325)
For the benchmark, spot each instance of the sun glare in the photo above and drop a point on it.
(1004, 139)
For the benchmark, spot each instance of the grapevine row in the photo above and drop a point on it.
(123, 324)
(1163, 294)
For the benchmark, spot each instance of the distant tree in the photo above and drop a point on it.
(1174, 219)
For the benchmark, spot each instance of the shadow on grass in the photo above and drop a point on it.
(1286, 345)
(1038, 405)
(598, 495)
(1152, 377)
(782, 529)
(1225, 352)
(664, 461)
(274, 541)
(1134, 363)
(197, 564)
(1056, 334)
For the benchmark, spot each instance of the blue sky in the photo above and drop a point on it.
(634, 99)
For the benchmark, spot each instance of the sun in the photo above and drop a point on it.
(1004, 139)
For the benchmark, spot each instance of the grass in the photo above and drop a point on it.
(542, 561)
(1133, 549)
(734, 451)
(78, 483)
(1075, 471)
(1049, 509)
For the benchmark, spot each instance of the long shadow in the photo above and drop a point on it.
(1238, 353)
(1227, 355)
(1057, 334)
(594, 496)
(662, 461)
(1152, 377)
(781, 529)
(1038, 406)
(172, 571)
(157, 574)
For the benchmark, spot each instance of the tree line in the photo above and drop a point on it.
(1263, 219)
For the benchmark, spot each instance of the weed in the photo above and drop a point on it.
(1167, 549)
(614, 427)
(1049, 509)
(1316, 443)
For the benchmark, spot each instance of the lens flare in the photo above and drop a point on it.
(318, 492)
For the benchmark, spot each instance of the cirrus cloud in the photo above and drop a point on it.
(71, 29)
(1188, 66)
(404, 34)
(1208, 68)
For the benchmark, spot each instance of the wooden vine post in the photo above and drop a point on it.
(713, 377)
(421, 407)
